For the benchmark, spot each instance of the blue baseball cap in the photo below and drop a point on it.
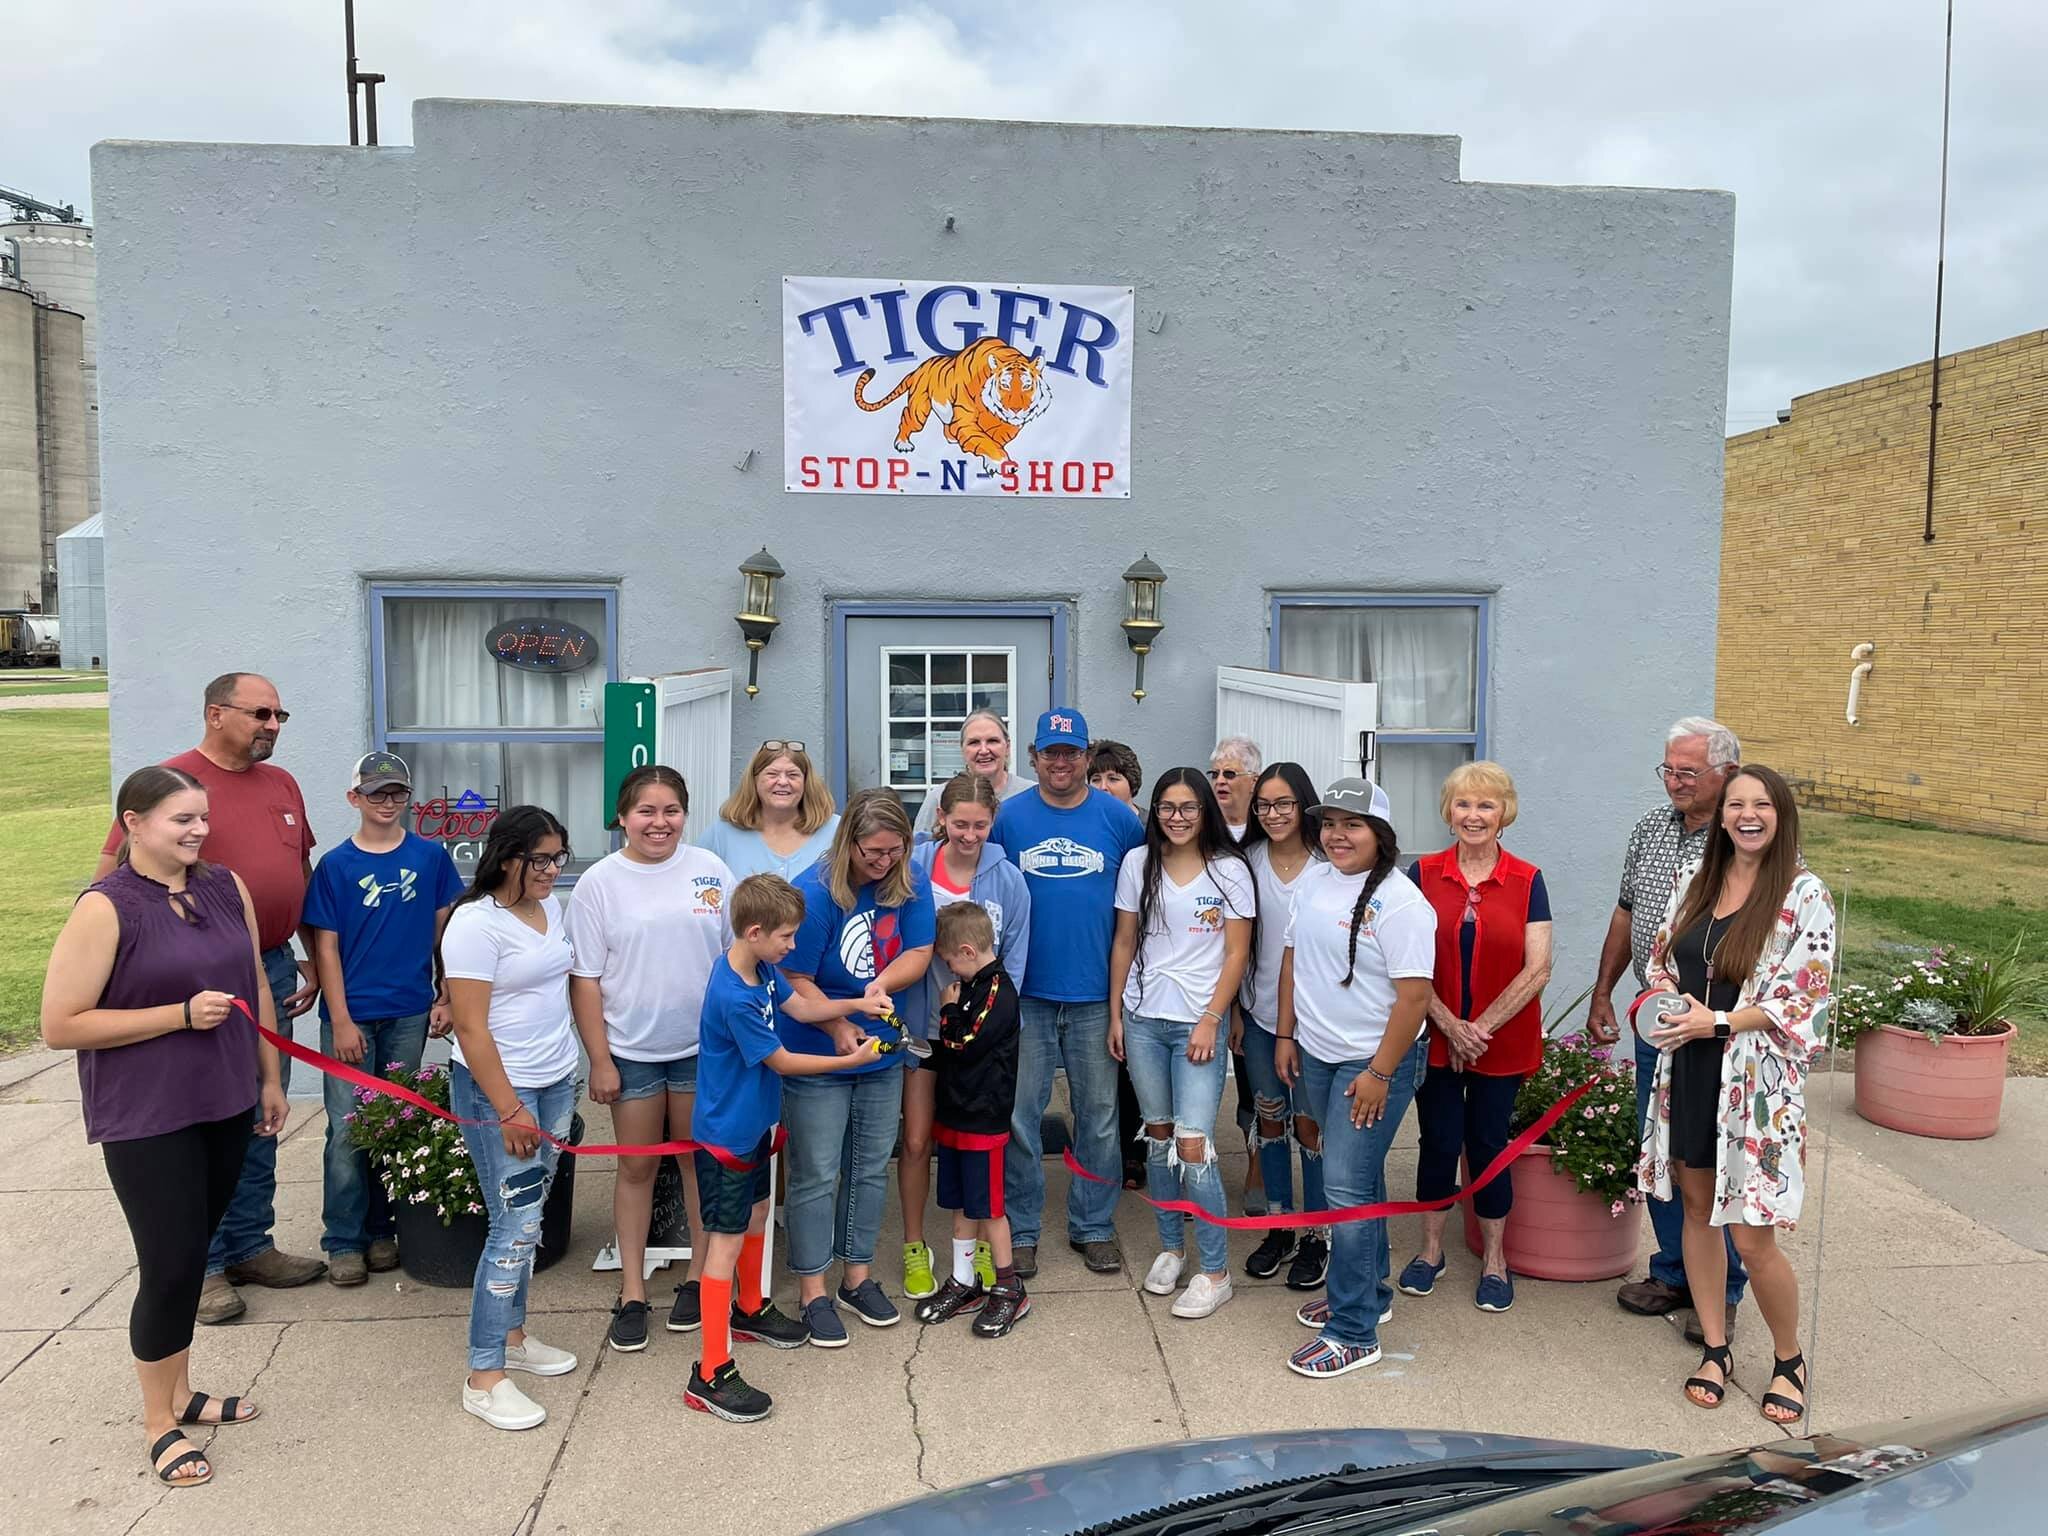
(1061, 728)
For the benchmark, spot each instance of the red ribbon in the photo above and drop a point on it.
(391, 1090)
(1493, 1170)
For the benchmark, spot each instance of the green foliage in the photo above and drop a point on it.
(1598, 1139)
(421, 1158)
(1946, 992)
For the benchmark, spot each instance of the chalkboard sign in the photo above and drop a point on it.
(668, 1230)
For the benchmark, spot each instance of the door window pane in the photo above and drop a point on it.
(929, 695)
(438, 675)
(459, 788)
(1425, 659)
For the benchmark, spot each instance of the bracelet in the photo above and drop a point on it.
(1277, 1035)
(1374, 1071)
(1211, 1013)
(188, 1013)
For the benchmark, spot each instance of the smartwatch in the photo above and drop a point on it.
(1722, 1028)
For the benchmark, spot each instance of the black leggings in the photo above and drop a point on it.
(1469, 1113)
(174, 1189)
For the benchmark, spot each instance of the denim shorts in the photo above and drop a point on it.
(727, 1196)
(645, 1079)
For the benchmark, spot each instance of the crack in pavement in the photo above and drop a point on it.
(1159, 1347)
(206, 1446)
(910, 1397)
(24, 1360)
(530, 1520)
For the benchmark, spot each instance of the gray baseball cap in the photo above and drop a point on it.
(1357, 797)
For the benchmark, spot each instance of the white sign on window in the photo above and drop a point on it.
(933, 388)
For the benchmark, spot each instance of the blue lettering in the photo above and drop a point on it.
(1010, 325)
(835, 322)
(970, 330)
(891, 305)
(952, 475)
(1072, 341)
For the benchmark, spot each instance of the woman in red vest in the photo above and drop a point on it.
(1485, 1021)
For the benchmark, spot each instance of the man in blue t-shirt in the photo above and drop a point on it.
(1069, 840)
(376, 904)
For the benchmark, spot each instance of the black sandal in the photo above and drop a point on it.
(228, 1414)
(1715, 1355)
(169, 1475)
(1793, 1371)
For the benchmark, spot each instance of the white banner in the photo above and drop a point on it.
(955, 388)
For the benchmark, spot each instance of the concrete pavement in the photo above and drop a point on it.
(1932, 1283)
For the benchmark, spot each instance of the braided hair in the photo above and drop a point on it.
(1388, 853)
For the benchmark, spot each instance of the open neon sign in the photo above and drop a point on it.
(541, 645)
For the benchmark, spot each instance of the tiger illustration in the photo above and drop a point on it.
(985, 394)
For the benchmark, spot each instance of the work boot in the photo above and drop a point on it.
(279, 1271)
(220, 1302)
(1651, 1297)
(1694, 1334)
(1101, 1257)
(347, 1269)
(383, 1255)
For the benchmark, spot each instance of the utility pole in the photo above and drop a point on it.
(356, 77)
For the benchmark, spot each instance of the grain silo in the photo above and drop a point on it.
(48, 450)
(57, 261)
(82, 595)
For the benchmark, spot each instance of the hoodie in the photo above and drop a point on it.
(974, 1052)
(1001, 887)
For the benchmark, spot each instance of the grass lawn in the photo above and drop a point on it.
(16, 688)
(53, 815)
(1904, 887)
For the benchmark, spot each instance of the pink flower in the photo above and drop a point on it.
(1614, 1209)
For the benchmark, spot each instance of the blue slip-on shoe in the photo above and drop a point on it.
(822, 1319)
(870, 1305)
(1496, 1293)
(1420, 1277)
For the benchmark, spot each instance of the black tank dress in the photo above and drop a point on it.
(1696, 1065)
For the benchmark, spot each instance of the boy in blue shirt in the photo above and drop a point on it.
(741, 1062)
(376, 903)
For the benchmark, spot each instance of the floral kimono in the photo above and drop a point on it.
(1760, 1164)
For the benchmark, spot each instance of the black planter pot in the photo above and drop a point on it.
(433, 1254)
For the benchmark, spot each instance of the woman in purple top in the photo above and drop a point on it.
(142, 984)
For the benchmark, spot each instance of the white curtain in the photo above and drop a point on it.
(439, 675)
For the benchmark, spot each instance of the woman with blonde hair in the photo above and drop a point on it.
(779, 821)
(1486, 1020)
(868, 927)
(1747, 951)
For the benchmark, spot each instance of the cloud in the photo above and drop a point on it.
(1822, 117)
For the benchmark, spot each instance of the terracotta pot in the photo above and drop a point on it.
(1951, 1089)
(1556, 1231)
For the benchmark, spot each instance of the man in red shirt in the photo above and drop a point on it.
(257, 828)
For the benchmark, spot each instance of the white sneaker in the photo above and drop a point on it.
(538, 1359)
(503, 1407)
(1202, 1297)
(1164, 1274)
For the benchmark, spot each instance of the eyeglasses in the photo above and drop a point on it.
(1224, 775)
(1275, 807)
(386, 796)
(782, 746)
(540, 861)
(877, 855)
(1179, 813)
(1671, 775)
(263, 715)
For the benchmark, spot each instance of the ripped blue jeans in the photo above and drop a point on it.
(1175, 1091)
(515, 1191)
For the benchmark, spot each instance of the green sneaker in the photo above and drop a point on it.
(917, 1272)
(985, 1266)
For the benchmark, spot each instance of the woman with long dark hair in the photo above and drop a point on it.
(1354, 990)
(142, 984)
(506, 955)
(1749, 942)
(1185, 910)
(1281, 843)
(868, 928)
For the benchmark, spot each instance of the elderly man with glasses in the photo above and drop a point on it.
(257, 828)
(1699, 756)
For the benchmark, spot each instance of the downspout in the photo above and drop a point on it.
(1861, 656)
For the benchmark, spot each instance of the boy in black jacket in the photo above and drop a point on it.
(975, 1057)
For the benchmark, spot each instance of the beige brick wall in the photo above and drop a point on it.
(1821, 551)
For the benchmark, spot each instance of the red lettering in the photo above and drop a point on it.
(529, 642)
(505, 642)
(572, 647)
(1073, 477)
(899, 471)
(807, 472)
(867, 474)
(1009, 476)
(1041, 476)
(550, 645)
(1104, 473)
(838, 463)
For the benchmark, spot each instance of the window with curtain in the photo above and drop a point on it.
(481, 735)
(1425, 656)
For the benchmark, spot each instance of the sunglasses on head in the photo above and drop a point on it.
(782, 746)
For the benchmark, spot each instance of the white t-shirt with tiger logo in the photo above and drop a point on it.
(1396, 939)
(1182, 955)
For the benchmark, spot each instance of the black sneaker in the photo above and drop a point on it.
(1006, 1307)
(629, 1327)
(952, 1299)
(1267, 1258)
(768, 1326)
(1311, 1263)
(726, 1396)
(687, 1315)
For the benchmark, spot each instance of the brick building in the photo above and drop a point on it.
(1822, 552)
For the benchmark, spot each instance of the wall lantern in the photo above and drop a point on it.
(756, 617)
(1142, 623)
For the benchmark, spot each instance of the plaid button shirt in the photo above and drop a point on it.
(1657, 849)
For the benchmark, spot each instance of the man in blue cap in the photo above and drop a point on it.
(1069, 840)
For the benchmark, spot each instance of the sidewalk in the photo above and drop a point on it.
(1934, 1285)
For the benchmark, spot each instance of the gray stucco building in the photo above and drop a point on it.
(1464, 439)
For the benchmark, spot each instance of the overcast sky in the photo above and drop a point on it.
(1822, 116)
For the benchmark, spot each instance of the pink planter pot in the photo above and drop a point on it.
(1556, 1231)
(1952, 1089)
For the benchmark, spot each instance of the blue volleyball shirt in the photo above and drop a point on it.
(842, 951)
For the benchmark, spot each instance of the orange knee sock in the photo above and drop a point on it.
(749, 1281)
(716, 1298)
